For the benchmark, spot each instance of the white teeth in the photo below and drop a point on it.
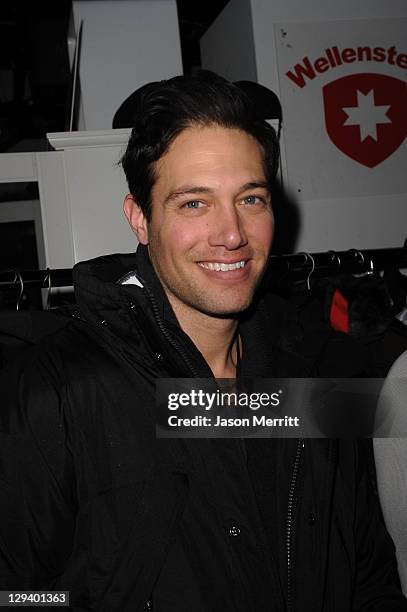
(223, 267)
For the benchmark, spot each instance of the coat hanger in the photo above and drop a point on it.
(48, 278)
(362, 260)
(307, 257)
(18, 276)
(360, 257)
(335, 258)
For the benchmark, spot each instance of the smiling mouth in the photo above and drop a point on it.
(222, 267)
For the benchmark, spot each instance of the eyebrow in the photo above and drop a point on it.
(189, 189)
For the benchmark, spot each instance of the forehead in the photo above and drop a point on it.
(210, 154)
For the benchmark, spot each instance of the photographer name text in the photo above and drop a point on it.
(252, 421)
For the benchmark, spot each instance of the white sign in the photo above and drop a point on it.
(344, 99)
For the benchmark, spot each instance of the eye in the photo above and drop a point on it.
(193, 204)
(252, 199)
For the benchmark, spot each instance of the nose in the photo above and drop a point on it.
(228, 229)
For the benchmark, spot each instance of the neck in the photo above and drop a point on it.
(215, 338)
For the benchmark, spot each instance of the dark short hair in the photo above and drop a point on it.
(163, 109)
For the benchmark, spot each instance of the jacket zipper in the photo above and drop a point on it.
(290, 525)
(167, 335)
(174, 344)
(300, 446)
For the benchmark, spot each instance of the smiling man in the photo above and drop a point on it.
(92, 502)
(209, 233)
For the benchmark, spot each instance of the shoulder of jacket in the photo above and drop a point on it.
(329, 353)
(55, 359)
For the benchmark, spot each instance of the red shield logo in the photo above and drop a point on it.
(366, 116)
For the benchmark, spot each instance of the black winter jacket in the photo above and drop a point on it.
(92, 502)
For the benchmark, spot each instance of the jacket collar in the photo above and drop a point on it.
(103, 283)
(137, 314)
(149, 277)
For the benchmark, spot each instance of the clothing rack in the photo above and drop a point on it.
(297, 266)
(331, 263)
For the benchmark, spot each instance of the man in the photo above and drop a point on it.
(92, 502)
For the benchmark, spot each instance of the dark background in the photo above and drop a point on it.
(34, 99)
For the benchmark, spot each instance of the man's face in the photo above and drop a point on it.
(212, 224)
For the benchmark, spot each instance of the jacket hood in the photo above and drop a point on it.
(121, 295)
(108, 283)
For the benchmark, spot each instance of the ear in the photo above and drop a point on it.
(136, 218)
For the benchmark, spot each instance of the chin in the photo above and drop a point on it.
(225, 310)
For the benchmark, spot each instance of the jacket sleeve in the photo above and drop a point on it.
(37, 507)
(377, 586)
